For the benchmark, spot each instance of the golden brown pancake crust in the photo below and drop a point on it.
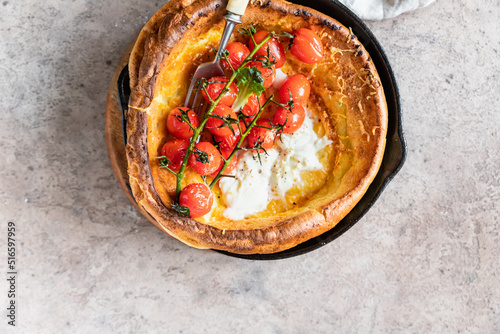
(347, 86)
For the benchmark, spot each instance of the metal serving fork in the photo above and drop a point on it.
(235, 9)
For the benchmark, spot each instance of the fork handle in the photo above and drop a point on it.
(228, 30)
(237, 6)
(235, 9)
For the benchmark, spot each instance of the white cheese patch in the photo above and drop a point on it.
(248, 192)
(256, 184)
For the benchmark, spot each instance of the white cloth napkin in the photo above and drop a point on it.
(383, 9)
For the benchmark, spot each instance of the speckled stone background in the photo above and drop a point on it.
(425, 259)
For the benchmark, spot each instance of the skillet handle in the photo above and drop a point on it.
(237, 6)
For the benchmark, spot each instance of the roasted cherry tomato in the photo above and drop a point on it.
(251, 108)
(276, 50)
(230, 141)
(230, 167)
(268, 73)
(262, 134)
(178, 127)
(292, 120)
(297, 86)
(205, 158)
(237, 54)
(215, 87)
(221, 121)
(307, 46)
(175, 151)
(198, 198)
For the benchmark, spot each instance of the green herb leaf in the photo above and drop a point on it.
(250, 81)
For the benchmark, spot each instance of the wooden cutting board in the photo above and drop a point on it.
(114, 135)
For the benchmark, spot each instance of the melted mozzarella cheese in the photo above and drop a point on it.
(256, 182)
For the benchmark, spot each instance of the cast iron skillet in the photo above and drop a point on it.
(395, 151)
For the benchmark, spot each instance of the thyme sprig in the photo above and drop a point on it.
(184, 117)
(266, 60)
(258, 147)
(225, 56)
(163, 162)
(182, 210)
(250, 31)
(227, 121)
(201, 156)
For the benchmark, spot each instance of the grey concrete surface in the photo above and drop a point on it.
(425, 259)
